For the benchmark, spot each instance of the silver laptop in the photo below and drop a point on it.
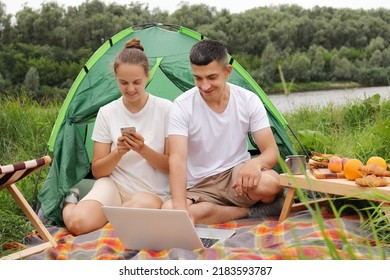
(157, 229)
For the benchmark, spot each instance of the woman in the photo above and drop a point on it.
(131, 168)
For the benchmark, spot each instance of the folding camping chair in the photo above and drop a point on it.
(9, 175)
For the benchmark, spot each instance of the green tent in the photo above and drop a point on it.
(167, 47)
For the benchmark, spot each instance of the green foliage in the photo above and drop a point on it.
(313, 140)
(53, 66)
(193, 16)
(378, 222)
(13, 227)
(341, 69)
(2, 83)
(360, 129)
(374, 76)
(31, 81)
(375, 59)
(385, 57)
(376, 44)
(26, 127)
(380, 135)
(361, 114)
(319, 44)
(269, 61)
(317, 72)
(247, 61)
(300, 68)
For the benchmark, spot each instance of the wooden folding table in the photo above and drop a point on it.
(340, 187)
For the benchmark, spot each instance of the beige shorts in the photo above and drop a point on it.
(109, 193)
(217, 189)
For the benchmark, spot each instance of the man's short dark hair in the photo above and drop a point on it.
(205, 51)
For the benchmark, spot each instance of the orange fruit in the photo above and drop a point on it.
(378, 160)
(351, 169)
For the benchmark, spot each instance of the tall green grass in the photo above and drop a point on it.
(25, 127)
(359, 129)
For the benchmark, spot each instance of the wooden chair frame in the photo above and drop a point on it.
(9, 175)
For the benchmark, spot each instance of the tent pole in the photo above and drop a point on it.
(299, 142)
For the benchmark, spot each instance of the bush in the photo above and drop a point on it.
(360, 114)
(375, 76)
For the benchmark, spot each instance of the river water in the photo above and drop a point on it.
(296, 100)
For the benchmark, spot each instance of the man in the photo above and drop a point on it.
(212, 175)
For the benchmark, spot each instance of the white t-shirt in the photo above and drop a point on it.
(216, 142)
(133, 172)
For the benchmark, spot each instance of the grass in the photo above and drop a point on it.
(25, 126)
(359, 129)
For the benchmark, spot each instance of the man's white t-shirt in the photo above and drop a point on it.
(216, 142)
(133, 172)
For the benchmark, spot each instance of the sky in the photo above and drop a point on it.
(13, 6)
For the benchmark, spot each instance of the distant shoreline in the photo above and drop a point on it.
(312, 86)
(319, 98)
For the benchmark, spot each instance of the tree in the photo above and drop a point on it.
(284, 34)
(341, 68)
(6, 30)
(297, 68)
(2, 83)
(317, 72)
(57, 41)
(376, 59)
(31, 81)
(2, 19)
(375, 44)
(24, 28)
(219, 29)
(269, 62)
(374, 76)
(385, 61)
(49, 25)
(322, 28)
(193, 16)
(248, 32)
(305, 33)
(373, 27)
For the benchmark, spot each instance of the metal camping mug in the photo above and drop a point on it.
(296, 163)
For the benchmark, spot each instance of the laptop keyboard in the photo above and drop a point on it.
(208, 242)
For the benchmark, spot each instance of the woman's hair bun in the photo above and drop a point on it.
(134, 44)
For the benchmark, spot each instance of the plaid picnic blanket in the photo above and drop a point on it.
(298, 237)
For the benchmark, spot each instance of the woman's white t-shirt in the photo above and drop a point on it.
(133, 172)
(216, 142)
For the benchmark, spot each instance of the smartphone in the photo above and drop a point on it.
(127, 129)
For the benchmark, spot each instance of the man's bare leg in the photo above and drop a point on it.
(209, 213)
(268, 188)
